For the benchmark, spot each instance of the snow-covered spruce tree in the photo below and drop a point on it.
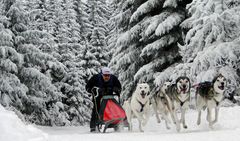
(58, 18)
(219, 36)
(78, 103)
(12, 91)
(36, 72)
(88, 61)
(39, 26)
(98, 16)
(69, 35)
(150, 43)
(97, 45)
(39, 73)
(99, 13)
(69, 28)
(82, 19)
(114, 26)
(212, 43)
(210, 22)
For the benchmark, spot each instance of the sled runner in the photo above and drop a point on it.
(110, 114)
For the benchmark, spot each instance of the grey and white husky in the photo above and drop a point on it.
(210, 97)
(179, 94)
(162, 104)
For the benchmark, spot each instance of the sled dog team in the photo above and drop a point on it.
(174, 98)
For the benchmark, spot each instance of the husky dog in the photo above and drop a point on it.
(162, 104)
(210, 97)
(138, 106)
(179, 94)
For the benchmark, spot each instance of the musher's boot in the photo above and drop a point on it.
(93, 130)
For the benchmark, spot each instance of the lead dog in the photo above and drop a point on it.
(162, 104)
(179, 93)
(210, 98)
(138, 106)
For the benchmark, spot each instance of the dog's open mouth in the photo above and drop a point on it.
(143, 95)
(221, 87)
(183, 90)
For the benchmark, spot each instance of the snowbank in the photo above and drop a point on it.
(13, 129)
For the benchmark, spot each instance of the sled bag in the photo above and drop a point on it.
(111, 111)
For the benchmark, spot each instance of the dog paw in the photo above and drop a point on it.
(178, 129)
(198, 122)
(185, 126)
(215, 121)
(211, 126)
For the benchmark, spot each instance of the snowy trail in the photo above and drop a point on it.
(228, 128)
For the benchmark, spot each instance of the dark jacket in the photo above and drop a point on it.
(106, 88)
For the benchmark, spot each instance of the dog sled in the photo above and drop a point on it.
(110, 114)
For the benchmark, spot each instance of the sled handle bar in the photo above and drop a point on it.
(109, 96)
(96, 91)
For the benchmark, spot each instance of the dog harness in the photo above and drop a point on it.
(211, 95)
(206, 90)
(142, 105)
(163, 98)
(175, 96)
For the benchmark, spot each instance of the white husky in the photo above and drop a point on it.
(162, 104)
(210, 98)
(138, 106)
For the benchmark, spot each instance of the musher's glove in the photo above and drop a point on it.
(117, 90)
(109, 91)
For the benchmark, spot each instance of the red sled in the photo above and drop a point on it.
(111, 114)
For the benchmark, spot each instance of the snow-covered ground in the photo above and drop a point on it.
(13, 129)
(227, 129)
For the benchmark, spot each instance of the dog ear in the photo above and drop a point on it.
(221, 75)
(178, 79)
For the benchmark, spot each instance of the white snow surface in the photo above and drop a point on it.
(227, 129)
(13, 129)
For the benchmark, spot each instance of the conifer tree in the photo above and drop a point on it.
(96, 38)
(12, 91)
(36, 72)
(82, 18)
(211, 43)
(149, 40)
